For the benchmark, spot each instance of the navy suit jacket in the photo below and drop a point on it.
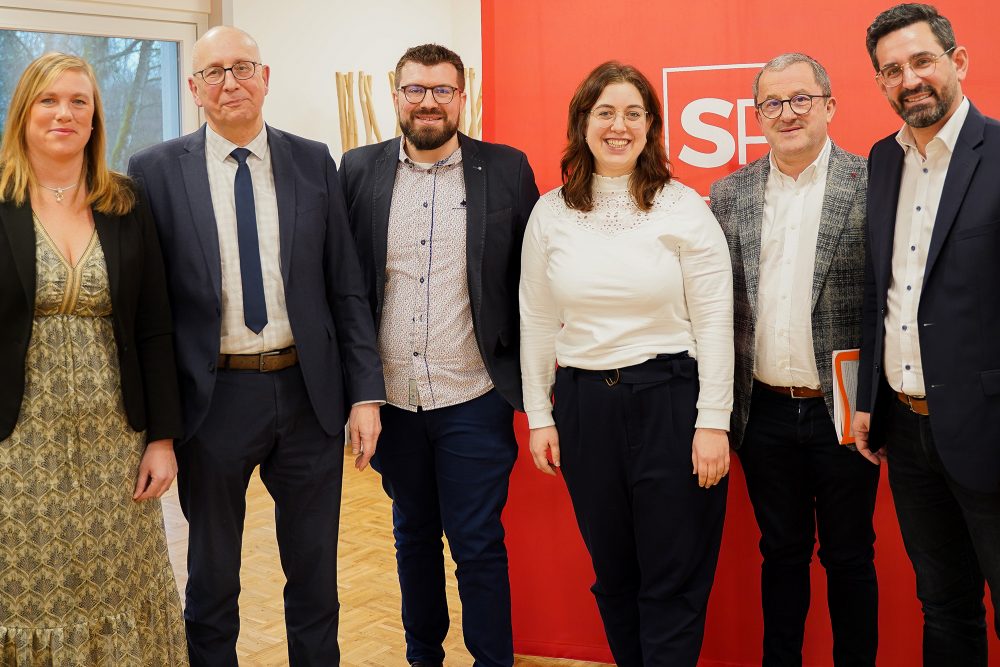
(959, 311)
(324, 287)
(500, 192)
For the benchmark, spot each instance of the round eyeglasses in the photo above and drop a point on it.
(605, 116)
(922, 64)
(415, 94)
(216, 74)
(799, 104)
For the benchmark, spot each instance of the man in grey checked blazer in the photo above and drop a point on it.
(794, 220)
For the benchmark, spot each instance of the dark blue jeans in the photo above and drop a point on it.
(448, 470)
(801, 479)
(952, 536)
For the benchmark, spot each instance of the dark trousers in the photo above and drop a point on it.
(801, 479)
(262, 419)
(653, 534)
(447, 470)
(952, 536)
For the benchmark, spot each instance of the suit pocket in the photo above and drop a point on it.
(991, 382)
(978, 230)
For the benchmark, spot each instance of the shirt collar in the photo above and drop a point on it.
(454, 158)
(948, 134)
(218, 147)
(814, 172)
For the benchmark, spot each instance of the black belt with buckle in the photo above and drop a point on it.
(265, 362)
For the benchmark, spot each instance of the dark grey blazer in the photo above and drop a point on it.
(500, 193)
(959, 312)
(324, 287)
(838, 277)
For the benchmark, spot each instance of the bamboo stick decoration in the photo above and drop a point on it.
(342, 112)
(352, 116)
(371, 108)
(470, 79)
(392, 91)
(365, 107)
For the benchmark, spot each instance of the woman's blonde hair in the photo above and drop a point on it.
(108, 192)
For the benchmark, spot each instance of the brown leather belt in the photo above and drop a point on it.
(265, 362)
(917, 404)
(794, 392)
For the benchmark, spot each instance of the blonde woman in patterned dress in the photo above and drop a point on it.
(88, 393)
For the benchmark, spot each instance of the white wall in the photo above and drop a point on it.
(306, 41)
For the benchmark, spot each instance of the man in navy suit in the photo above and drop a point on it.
(438, 219)
(274, 343)
(929, 382)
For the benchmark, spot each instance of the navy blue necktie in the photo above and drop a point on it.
(254, 307)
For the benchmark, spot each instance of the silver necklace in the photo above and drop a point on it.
(59, 191)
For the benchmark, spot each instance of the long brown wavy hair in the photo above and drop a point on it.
(652, 170)
(107, 191)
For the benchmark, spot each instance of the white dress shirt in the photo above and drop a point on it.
(236, 337)
(784, 355)
(615, 286)
(919, 195)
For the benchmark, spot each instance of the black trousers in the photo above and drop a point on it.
(653, 534)
(262, 419)
(801, 479)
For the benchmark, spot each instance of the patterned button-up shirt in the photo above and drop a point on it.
(428, 347)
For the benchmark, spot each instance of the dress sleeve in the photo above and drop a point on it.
(708, 290)
(539, 322)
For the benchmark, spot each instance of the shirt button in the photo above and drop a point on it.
(421, 280)
(913, 247)
(925, 170)
(904, 327)
(417, 354)
(907, 367)
(909, 287)
(918, 208)
(425, 204)
(423, 241)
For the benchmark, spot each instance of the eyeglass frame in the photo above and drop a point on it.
(229, 69)
(909, 63)
(454, 89)
(617, 113)
(788, 100)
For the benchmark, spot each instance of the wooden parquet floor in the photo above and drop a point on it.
(371, 634)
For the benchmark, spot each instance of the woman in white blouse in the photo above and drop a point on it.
(626, 283)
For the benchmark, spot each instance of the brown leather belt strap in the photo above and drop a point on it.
(917, 404)
(794, 392)
(264, 362)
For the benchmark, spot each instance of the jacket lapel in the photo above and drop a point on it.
(20, 230)
(838, 199)
(199, 195)
(385, 179)
(474, 171)
(282, 167)
(109, 234)
(963, 165)
(751, 219)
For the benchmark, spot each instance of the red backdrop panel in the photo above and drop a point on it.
(699, 57)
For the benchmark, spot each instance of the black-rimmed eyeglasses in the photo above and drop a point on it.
(799, 104)
(415, 94)
(216, 74)
(922, 64)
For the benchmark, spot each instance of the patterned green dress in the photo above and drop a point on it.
(85, 578)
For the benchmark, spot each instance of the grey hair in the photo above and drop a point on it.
(786, 60)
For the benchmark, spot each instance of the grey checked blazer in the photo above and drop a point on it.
(838, 277)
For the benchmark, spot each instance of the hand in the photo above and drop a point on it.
(364, 425)
(544, 443)
(862, 421)
(156, 470)
(710, 456)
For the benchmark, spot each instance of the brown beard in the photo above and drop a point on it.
(429, 138)
(925, 116)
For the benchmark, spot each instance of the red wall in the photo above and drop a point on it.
(534, 55)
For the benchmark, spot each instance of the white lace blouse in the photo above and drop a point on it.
(616, 286)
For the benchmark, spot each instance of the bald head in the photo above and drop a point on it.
(222, 38)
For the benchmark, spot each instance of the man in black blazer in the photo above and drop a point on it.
(274, 343)
(438, 219)
(929, 382)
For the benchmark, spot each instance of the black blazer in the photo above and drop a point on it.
(141, 316)
(324, 288)
(959, 311)
(500, 192)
